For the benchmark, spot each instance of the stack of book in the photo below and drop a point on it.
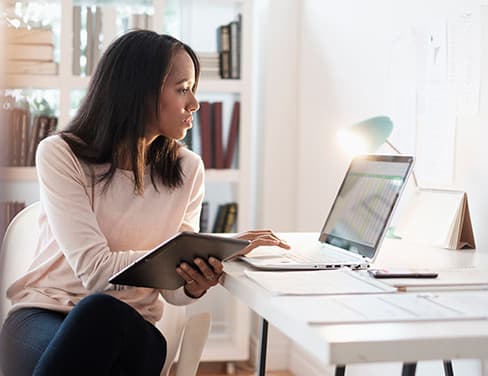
(209, 65)
(229, 49)
(91, 49)
(213, 152)
(29, 51)
(23, 133)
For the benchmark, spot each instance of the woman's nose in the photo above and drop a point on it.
(193, 105)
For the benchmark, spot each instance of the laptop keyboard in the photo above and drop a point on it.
(322, 259)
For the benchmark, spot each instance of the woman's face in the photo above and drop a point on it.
(177, 102)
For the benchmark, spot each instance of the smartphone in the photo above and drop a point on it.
(401, 273)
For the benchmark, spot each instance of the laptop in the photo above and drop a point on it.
(357, 222)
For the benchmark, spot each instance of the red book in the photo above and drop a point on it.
(205, 119)
(217, 135)
(233, 135)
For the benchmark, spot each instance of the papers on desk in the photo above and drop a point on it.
(318, 282)
(346, 309)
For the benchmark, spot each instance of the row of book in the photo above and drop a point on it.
(29, 51)
(9, 210)
(212, 149)
(86, 53)
(23, 132)
(225, 218)
(229, 48)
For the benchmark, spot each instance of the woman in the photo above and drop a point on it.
(113, 184)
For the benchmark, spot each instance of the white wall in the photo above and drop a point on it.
(344, 52)
(342, 55)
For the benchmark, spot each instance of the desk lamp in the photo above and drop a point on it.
(368, 135)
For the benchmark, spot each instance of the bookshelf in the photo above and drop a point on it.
(229, 338)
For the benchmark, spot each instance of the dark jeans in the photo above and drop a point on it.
(100, 336)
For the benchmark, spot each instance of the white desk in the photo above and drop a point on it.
(373, 342)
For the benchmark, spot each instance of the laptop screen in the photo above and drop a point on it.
(365, 202)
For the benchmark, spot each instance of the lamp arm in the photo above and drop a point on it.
(399, 152)
(391, 145)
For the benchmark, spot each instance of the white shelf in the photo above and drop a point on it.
(229, 176)
(18, 174)
(80, 82)
(220, 86)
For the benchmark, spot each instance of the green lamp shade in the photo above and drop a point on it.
(373, 131)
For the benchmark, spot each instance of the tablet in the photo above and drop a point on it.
(157, 268)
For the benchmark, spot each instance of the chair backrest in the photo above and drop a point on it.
(18, 248)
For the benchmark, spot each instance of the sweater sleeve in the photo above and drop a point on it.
(65, 198)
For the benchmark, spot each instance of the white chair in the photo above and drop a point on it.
(186, 336)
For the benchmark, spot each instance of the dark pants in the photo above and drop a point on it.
(100, 336)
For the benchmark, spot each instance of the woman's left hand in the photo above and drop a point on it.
(200, 276)
(259, 238)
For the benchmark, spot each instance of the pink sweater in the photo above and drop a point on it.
(87, 235)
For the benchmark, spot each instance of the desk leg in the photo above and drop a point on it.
(409, 369)
(263, 347)
(448, 371)
(340, 370)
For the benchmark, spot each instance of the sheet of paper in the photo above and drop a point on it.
(450, 278)
(402, 307)
(464, 48)
(318, 282)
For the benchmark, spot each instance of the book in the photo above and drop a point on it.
(38, 52)
(230, 219)
(5, 125)
(89, 51)
(96, 37)
(23, 143)
(14, 138)
(204, 217)
(205, 120)
(235, 48)
(33, 141)
(31, 67)
(233, 136)
(23, 35)
(223, 47)
(219, 221)
(218, 152)
(438, 217)
(52, 126)
(76, 40)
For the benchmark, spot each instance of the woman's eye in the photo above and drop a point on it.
(184, 91)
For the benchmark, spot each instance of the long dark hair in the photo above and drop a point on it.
(123, 93)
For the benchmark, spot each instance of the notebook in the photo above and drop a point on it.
(357, 222)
